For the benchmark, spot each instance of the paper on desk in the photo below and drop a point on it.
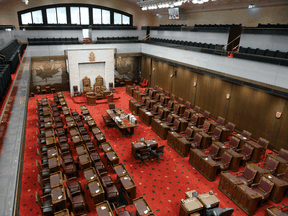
(91, 177)
(146, 211)
(97, 191)
(103, 207)
(59, 197)
(126, 178)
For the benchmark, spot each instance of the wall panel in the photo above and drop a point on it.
(282, 139)
(162, 75)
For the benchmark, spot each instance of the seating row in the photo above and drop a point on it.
(267, 56)
(200, 47)
(117, 39)
(216, 25)
(5, 79)
(268, 25)
(172, 25)
(11, 53)
(52, 41)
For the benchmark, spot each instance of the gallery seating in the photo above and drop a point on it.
(53, 41)
(5, 79)
(128, 39)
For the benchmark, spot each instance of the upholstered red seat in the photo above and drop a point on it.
(213, 151)
(194, 121)
(270, 165)
(263, 188)
(247, 176)
(234, 143)
(216, 134)
(246, 152)
(224, 161)
(196, 142)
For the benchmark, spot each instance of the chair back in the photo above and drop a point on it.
(249, 172)
(155, 107)
(69, 195)
(170, 104)
(111, 105)
(226, 158)
(86, 82)
(176, 123)
(271, 163)
(206, 114)
(230, 127)
(283, 154)
(186, 114)
(286, 174)
(43, 87)
(160, 150)
(214, 149)
(150, 94)
(197, 109)
(38, 165)
(157, 97)
(198, 138)
(75, 88)
(247, 149)
(263, 142)
(189, 132)
(40, 181)
(246, 134)
(220, 120)
(176, 109)
(194, 118)
(145, 153)
(234, 142)
(169, 118)
(146, 90)
(38, 200)
(166, 93)
(161, 100)
(156, 87)
(265, 185)
(180, 100)
(160, 112)
(206, 125)
(160, 90)
(147, 104)
(187, 104)
(217, 132)
(172, 97)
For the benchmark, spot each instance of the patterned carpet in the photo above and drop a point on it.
(163, 185)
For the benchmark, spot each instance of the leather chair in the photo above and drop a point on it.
(154, 110)
(264, 143)
(194, 121)
(66, 156)
(160, 114)
(196, 141)
(157, 98)
(234, 143)
(187, 134)
(43, 89)
(75, 91)
(69, 169)
(205, 127)
(111, 87)
(186, 115)
(219, 212)
(224, 161)
(169, 105)
(111, 192)
(53, 90)
(45, 204)
(263, 188)
(187, 105)
(176, 126)
(230, 126)
(172, 97)
(283, 176)
(77, 202)
(220, 120)
(43, 157)
(197, 109)
(161, 101)
(270, 165)
(180, 100)
(216, 134)
(176, 109)
(248, 175)
(246, 152)
(122, 213)
(108, 121)
(144, 155)
(283, 154)
(213, 151)
(246, 134)
(206, 114)
(44, 184)
(73, 184)
(86, 84)
(157, 152)
(43, 170)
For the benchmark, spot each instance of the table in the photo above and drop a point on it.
(91, 123)
(52, 152)
(90, 174)
(163, 129)
(142, 206)
(126, 124)
(136, 147)
(151, 143)
(225, 133)
(58, 197)
(77, 140)
(189, 194)
(120, 170)
(85, 161)
(106, 147)
(133, 107)
(278, 189)
(182, 145)
(129, 90)
(147, 118)
(236, 159)
(209, 201)
(166, 112)
(96, 190)
(129, 186)
(282, 166)
(96, 130)
(260, 172)
(80, 150)
(222, 148)
(228, 183)
(54, 164)
(74, 132)
(71, 124)
(56, 179)
(195, 157)
(190, 206)
(209, 168)
(255, 157)
(246, 199)
(64, 212)
(206, 140)
(104, 209)
(112, 157)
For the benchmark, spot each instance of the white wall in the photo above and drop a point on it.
(91, 71)
(118, 33)
(271, 42)
(5, 38)
(203, 37)
(261, 72)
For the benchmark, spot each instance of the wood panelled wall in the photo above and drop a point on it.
(250, 109)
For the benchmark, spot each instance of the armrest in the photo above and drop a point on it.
(236, 174)
(210, 133)
(72, 178)
(280, 174)
(189, 138)
(170, 124)
(238, 150)
(261, 163)
(200, 126)
(217, 158)
(255, 184)
(45, 196)
(183, 132)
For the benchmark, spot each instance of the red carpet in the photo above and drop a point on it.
(163, 185)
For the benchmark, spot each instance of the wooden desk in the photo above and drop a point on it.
(206, 140)
(222, 148)
(74, 132)
(100, 138)
(147, 118)
(151, 143)
(201, 119)
(90, 174)
(224, 134)
(142, 206)
(282, 166)
(279, 188)
(235, 162)
(120, 170)
(129, 186)
(104, 209)
(195, 157)
(84, 107)
(58, 197)
(81, 149)
(166, 112)
(91, 123)
(133, 107)
(71, 124)
(64, 212)
(52, 152)
(208, 200)
(255, 157)
(77, 140)
(85, 161)
(182, 145)
(163, 130)
(260, 172)
(172, 139)
(228, 183)
(56, 179)
(96, 191)
(190, 206)
(54, 164)
(274, 211)
(183, 124)
(106, 147)
(242, 140)
(246, 199)
(48, 125)
(49, 132)
(181, 109)
(137, 146)
(129, 90)
(209, 168)
(112, 157)
(126, 124)
(96, 130)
